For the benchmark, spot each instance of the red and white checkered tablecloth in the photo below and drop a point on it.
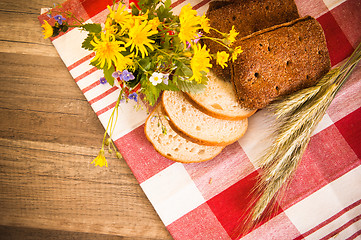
(205, 200)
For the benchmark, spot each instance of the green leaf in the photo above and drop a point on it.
(170, 86)
(204, 79)
(135, 11)
(167, 3)
(190, 87)
(166, 43)
(87, 42)
(148, 5)
(183, 70)
(108, 74)
(132, 83)
(150, 91)
(179, 46)
(164, 11)
(181, 79)
(92, 27)
(145, 63)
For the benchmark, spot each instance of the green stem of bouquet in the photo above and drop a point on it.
(111, 124)
(141, 67)
(172, 55)
(217, 40)
(75, 26)
(216, 30)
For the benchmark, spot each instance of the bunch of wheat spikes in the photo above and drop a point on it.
(297, 116)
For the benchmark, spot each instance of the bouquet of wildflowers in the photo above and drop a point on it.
(145, 49)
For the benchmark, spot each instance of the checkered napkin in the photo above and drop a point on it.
(206, 200)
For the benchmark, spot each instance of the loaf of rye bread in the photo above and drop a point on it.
(279, 60)
(247, 16)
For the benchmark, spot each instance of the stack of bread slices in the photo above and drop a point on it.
(198, 126)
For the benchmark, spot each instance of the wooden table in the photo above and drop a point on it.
(48, 136)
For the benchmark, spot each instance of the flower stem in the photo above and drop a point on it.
(217, 40)
(111, 122)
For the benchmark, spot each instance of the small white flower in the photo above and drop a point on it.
(156, 78)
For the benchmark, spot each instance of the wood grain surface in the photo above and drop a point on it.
(48, 136)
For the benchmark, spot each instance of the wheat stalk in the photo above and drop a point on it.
(297, 115)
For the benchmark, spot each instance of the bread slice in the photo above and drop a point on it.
(279, 60)
(197, 126)
(247, 16)
(173, 146)
(219, 100)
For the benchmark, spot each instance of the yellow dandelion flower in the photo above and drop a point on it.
(100, 159)
(142, 17)
(187, 54)
(48, 30)
(124, 62)
(190, 23)
(107, 50)
(188, 31)
(136, 20)
(154, 23)
(238, 50)
(205, 23)
(139, 38)
(222, 58)
(109, 28)
(200, 62)
(187, 12)
(231, 37)
(121, 15)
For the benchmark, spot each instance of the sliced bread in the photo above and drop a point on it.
(173, 146)
(247, 16)
(197, 126)
(219, 100)
(280, 60)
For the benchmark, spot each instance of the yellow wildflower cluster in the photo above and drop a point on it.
(200, 62)
(47, 30)
(135, 30)
(191, 23)
(145, 50)
(107, 50)
(100, 160)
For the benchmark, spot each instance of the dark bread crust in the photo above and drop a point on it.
(279, 60)
(247, 16)
(218, 4)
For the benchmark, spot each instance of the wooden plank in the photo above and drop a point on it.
(43, 102)
(7, 233)
(23, 34)
(39, 74)
(23, 28)
(19, 47)
(55, 187)
(48, 139)
(48, 136)
(30, 7)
